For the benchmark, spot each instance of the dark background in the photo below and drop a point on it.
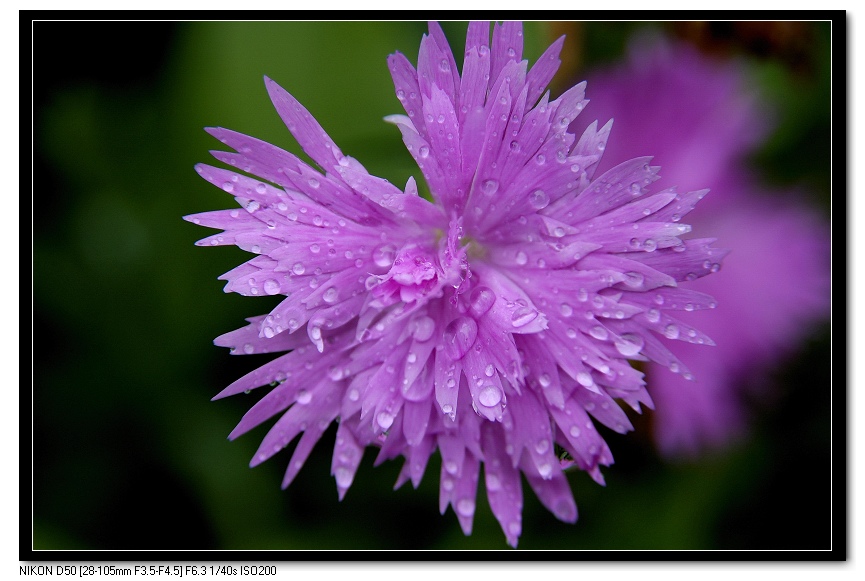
(128, 451)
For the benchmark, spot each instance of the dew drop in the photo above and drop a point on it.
(481, 300)
(493, 482)
(304, 397)
(522, 258)
(539, 199)
(489, 396)
(490, 187)
(523, 316)
(331, 295)
(584, 378)
(459, 336)
(671, 332)
(629, 344)
(566, 310)
(383, 256)
(575, 431)
(385, 420)
(271, 286)
(598, 333)
(423, 328)
(653, 315)
(466, 507)
(344, 477)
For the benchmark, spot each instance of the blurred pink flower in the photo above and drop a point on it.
(699, 117)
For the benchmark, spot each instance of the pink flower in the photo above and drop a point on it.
(493, 323)
(775, 284)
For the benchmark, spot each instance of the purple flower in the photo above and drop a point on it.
(493, 323)
(776, 283)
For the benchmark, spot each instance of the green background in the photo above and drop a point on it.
(128, 451)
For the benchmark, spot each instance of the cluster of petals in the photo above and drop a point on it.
(777, 288)
(493, 322)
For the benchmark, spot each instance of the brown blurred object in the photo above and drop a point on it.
(572, 53)
(786, 41)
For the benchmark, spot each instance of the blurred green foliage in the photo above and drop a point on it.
(129, 453)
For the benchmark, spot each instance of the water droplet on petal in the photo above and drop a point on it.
(493, 482)
(459, 336)
(331, 295)
(248, 348)
(490, 187)
(383, 256)
(271, 286)
(634, 279)
(298, 268)
(524, 316)
(629, 344)
(466, 507)
(598, 333)
(304, 397)
(671, 332)
(489, 396)
(481, 300)
(522, 258)
(539, 199)
(344, 476)
(385, 420)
